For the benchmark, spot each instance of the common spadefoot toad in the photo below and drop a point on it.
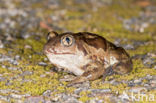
(87, 55)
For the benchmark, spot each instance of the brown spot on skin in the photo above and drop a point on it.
(94, 57)
(85, 67)
(97, 42)
(81, 48)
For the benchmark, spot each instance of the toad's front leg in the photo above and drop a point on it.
(93, 71)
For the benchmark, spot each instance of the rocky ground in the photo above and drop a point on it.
(27, 76)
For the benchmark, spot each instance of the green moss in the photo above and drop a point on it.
(70, 89)
(73, 14)
(75, 28)
(144, 49)
(115, 88)
(36, 85)
(3, 70)
(127, 10)
(37, 5)
(84, 96)
(61, 89)
(3, 51)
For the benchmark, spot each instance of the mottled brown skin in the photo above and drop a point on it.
(87, 55)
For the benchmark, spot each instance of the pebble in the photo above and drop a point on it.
(56, 97)
(18, 96)
(137, 81)
(153, 85)
(1, 44)
(95, 101)
(26, 73)
(2, 79)
(17, 57)
(25, 36)
(67, 98)
(114, 82)
(146, 85)
(9, 59)
(42, 75)
(42, 64)
(47, 93)
(138, 43)
(5, 98)
(100, 90)
(149, 77)
(66, 77)
(78, 90)
(151, 55)
(18, 101)
(131, 83)
(27, 47)
(12, 68)
(148, 62)
(45, 59)
(5, 91)
(128, 47)
(34, 99)
(8, 83)
(117, 42)
(137, 89)
(71, 100)
(124, 98)
(153, 81)
(82, 85)
(140, 23)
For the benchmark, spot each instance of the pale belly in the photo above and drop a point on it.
(73, 63)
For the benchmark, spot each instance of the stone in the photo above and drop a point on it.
(18, 96)
(34, 99)
(4, 98)
(137, 89)
(128, 47)
(71, 100)
(2, 79)
(100, 90)
(78, 90)
(42, 64)
(12, 68)
(27, 73)
(6, 91)
(137, 81)
(47, 93)
(148, 77)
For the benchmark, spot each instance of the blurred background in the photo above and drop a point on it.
(26, 74)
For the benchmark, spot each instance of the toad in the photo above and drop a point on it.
(87, 55)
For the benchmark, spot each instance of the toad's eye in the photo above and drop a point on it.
(67, 40)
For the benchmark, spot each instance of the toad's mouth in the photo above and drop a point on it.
(53, 52)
